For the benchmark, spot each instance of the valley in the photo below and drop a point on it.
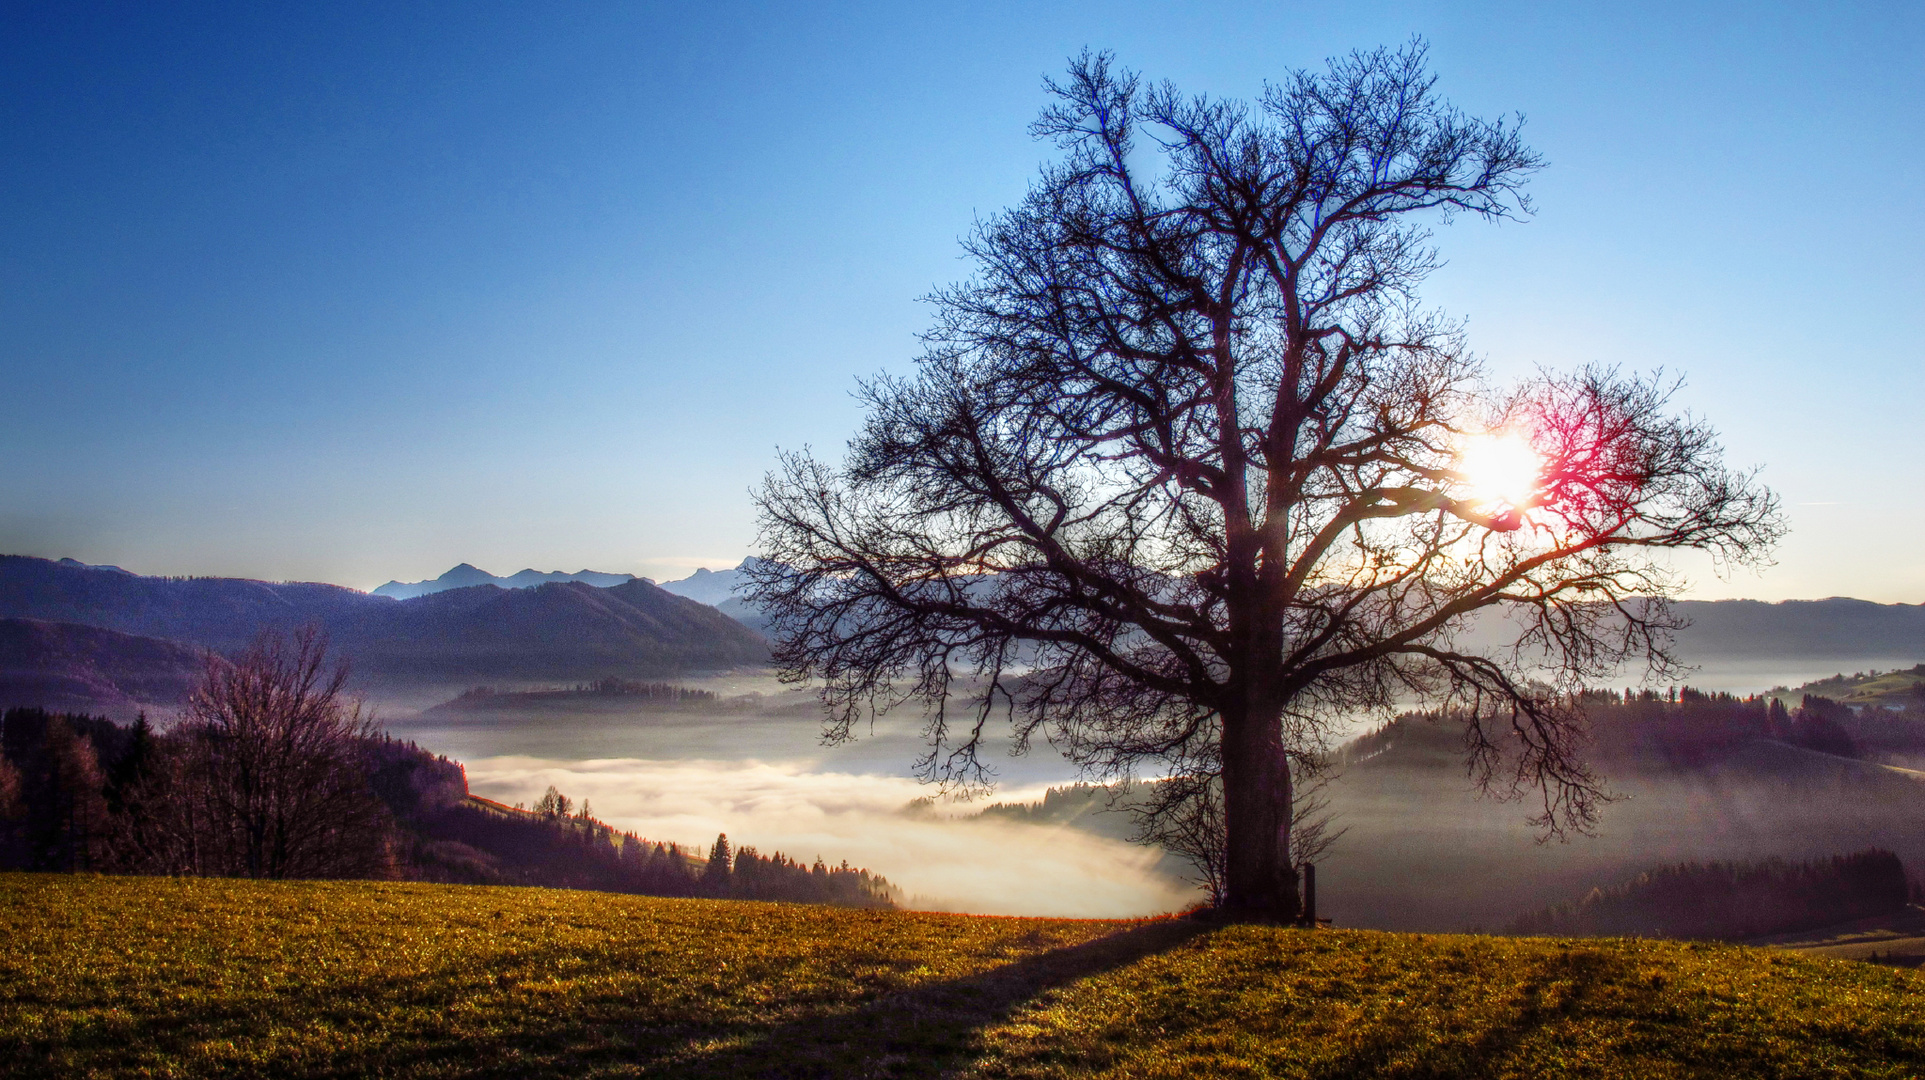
(690, 736)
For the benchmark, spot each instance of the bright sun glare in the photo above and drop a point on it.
(1500, 468)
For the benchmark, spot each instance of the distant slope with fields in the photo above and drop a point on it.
(1899, 689)
(113, 977)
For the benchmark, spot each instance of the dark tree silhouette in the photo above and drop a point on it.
(554, 804)
(1185, 471)
(11, 804)
(56, 769)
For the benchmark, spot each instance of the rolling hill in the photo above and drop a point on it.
(1837, 627)
(561, 631)
(67, 666)
(220, 613)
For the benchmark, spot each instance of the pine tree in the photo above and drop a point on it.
(715, 876)
(75, 828)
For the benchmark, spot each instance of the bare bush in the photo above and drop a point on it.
(263, 778)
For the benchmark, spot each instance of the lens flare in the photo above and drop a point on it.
(1500, 468)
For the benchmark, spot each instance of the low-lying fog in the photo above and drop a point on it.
(1421, 852)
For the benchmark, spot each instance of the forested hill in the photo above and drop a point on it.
(559, 631)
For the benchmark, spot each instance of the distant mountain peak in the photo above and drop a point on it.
(712, 587)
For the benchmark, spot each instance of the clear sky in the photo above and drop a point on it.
(347, 292)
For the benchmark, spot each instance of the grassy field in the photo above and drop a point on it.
(147, 977)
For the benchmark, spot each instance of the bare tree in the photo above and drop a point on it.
(266, 779)
(1185, 464)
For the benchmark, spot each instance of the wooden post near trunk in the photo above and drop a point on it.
(1310, 895)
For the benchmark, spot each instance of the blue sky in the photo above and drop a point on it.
(362, 291)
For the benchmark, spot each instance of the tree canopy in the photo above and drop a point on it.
(1186, 472)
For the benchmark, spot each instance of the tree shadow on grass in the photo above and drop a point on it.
(1557, 988)
(911, 1032)
(926, 1029)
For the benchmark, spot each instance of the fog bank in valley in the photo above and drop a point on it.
(756, 769)
(940, 862)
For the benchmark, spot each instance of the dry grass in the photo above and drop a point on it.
(146, 977)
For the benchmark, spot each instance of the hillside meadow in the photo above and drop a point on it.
(105, 976)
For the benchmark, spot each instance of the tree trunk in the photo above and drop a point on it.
(1261, 883)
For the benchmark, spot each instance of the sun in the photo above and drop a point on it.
(1501, 468)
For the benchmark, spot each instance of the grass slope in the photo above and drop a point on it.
(1864, 688)
(147, 977)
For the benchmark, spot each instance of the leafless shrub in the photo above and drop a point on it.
(262, 777)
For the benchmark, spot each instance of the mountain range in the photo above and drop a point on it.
(466, 575)
(714, 587)
(711, 587)
(555, 631)
(72, 633)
